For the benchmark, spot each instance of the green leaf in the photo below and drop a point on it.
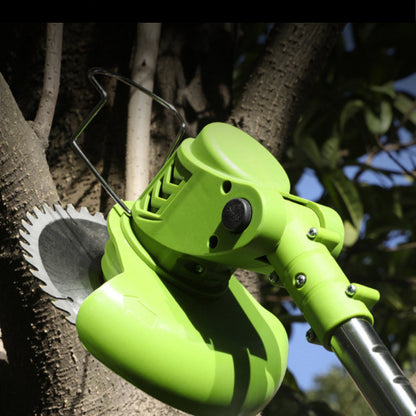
(290, 381)
(347, 201)
(406, 106)
(351, 234)
(330, 152)
(397, 205)
(391, 297)
(386, 89)
(350, 110)
(311, 151)
(349, 195)
(379, 124)
(411, 345)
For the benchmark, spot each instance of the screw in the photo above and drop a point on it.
(311, 336)
(350, 291)
(198, 268)
(274, 278)
(300, 280)
(312, 232)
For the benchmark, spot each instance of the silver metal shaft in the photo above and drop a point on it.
(373, 369)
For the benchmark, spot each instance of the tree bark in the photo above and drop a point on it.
(25, 176)
(43, 121)
(49, 367)
(140, 110)
(278, 87)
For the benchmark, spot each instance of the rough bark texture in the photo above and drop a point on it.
(23, 181)
(44, 117)
(48, 366)
(51, 369)
(278, 88)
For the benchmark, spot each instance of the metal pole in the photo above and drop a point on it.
(373, 369)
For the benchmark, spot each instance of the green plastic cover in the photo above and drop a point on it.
(221, 356)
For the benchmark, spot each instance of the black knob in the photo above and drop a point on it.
(236, 215)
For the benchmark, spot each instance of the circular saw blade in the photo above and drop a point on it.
(64, 246)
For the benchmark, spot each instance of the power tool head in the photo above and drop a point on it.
(171, 317)
(222, 192)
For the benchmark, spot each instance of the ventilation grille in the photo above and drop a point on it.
(165, 185)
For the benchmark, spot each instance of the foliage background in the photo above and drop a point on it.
(356, 139)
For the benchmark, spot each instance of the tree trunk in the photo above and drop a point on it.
(278, 88)
(140, 110)
(50, 368)
(23, 181)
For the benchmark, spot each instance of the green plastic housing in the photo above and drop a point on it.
(178, 217)
(222, 356)
(322, 297)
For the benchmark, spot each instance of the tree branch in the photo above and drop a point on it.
(140, 110)
(394, 158)
(274, 96)
(44, 117)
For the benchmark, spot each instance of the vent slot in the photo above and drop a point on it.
(167, 184)
(176, 178)
(150, 206)
(163, 192)
(263, 259)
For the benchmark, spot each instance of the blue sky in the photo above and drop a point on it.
(306, 360)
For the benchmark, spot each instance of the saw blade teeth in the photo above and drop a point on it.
(43, 256)
(48, 210)
(23, 233)
(32, 265)
(31, 218)
(54, 212)
(47, 288)
(42, 282)
(35, 266)
(60, 211)
(24, 230)
(24, 227)
(99, 216)
(71, 211)
(84, 210)
(37, 212)
(25, 241)
(26, 247)
(66, 306)
(31, 259)
(43, 285)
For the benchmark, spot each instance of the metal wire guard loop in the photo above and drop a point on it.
(91, 76)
